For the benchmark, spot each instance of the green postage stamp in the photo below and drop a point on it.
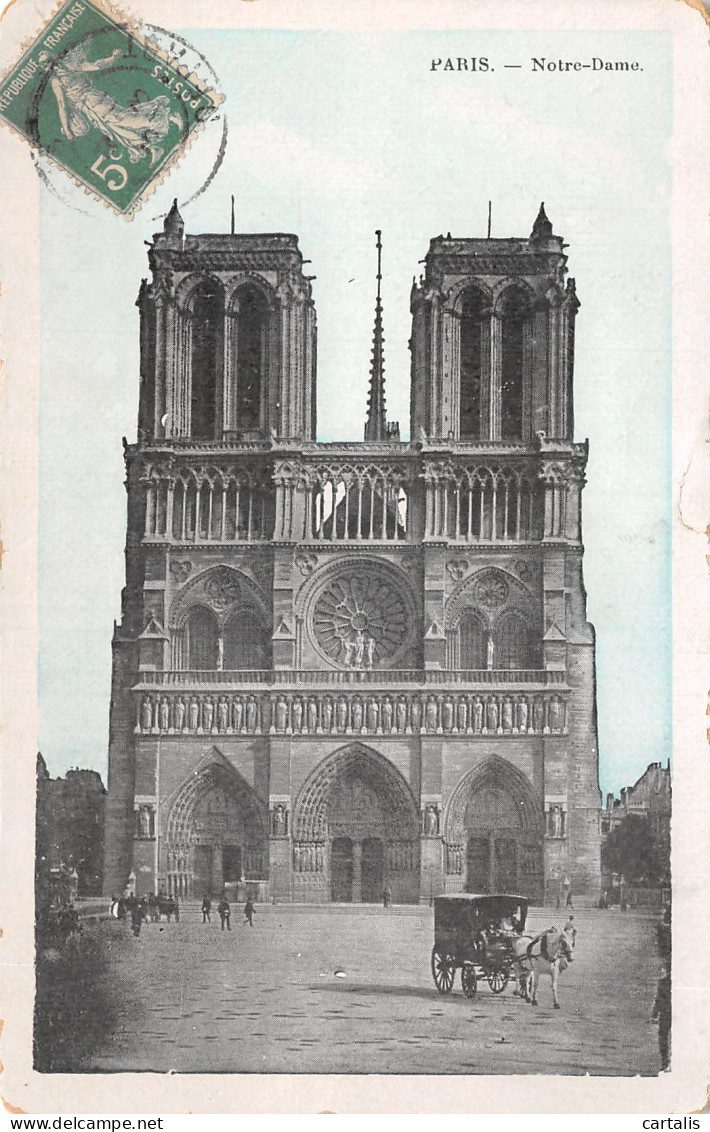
(105, 104)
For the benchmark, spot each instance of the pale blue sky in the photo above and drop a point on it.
(332, 135)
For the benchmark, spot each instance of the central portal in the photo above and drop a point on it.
(356, 829)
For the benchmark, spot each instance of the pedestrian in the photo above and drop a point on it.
(225, 912)
(206, 909)
(568, 902)
(661, 1014)
(387, 896)
(249, 912)
(137, 914)
(570, 930)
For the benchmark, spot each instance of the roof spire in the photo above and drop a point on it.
(542, 228)
(376, 422)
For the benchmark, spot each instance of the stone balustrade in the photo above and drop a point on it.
(325, 677)
(374, 713)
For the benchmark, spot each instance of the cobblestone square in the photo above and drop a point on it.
(192, 998)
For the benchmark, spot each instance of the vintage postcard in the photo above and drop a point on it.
(354, 514)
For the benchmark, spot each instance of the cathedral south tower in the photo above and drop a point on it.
(354, 667)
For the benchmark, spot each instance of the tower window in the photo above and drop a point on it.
(512, 367)
(245, 644)
(511, 642)
(470, 373)
(207, 331)
(473, 641)
(202, 640)
(252, 329)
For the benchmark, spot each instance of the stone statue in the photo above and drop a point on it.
(265, 714)
(279, 821)
(281, 711)
(194, 714)
(522, 716)
(359, 650)
(387, 715)
(555, 715)
(220, 653)
(447, 714)
(432, 821)
(143, 822)
(556, 821)
(251, 714)
(312, 716)
(431, 714)
(373, 715)
(490, 651)
(370, 652)
(179, 715)
(341, 714)
(401, 715)
(164, 714)
(507, 715)
(538, 715)
(462, 714)
(357, 716)
(238, 713)
(327, 714)
(146, 714)
(478, 716)
(207, 715)
(297, 857)
(222, 714)
(296, 715)
(491, 715)
(416, 713)
(349, 647)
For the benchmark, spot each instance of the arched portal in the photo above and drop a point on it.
(356, 831)
(494, 832)
(216, 832)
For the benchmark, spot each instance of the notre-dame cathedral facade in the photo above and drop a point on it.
(347, 667)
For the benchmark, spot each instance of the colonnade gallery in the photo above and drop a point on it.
(348, 668)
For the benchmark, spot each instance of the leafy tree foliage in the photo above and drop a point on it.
(633, 849)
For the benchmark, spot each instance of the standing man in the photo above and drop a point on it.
(206, 909)
(661, 1014)
(225, 912)
(249, 912)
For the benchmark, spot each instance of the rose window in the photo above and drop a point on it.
(491, 591)
(360, 621)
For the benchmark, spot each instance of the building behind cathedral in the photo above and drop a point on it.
(349, 667)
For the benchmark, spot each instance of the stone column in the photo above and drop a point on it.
(357, 872)
(216, 871)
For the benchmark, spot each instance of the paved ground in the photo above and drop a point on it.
(191, 998)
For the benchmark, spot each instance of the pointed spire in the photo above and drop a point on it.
(174, 225)
(376, 423)
(542, 228)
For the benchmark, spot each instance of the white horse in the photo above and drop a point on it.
(547, 954)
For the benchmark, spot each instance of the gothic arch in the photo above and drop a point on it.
(455, 295)
(186, 288)
(494, 590)
(506, 287)
(215, 821)
(311, 809)
(248, 279)
(232, 591)
(502, 775)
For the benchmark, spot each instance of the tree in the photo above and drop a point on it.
(633, 850)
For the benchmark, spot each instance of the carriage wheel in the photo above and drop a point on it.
(469, 982)
(498, 979)
(443, 970)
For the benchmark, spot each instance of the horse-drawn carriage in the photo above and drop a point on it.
(476, 933)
